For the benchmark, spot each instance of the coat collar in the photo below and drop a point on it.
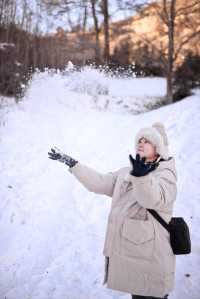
(163, 164)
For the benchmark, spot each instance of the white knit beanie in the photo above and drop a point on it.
(156, 134)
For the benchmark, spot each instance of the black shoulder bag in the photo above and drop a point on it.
(179, 233)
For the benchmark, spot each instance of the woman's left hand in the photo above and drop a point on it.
(139, 166)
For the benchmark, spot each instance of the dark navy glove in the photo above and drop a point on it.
(56, 154)
(139, 166)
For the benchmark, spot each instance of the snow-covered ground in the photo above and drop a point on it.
(51, 228)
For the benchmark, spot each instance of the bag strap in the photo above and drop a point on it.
(160, 219)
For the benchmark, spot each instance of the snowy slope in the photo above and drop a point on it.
(51, 228)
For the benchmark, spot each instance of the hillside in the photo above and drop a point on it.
(145, 31)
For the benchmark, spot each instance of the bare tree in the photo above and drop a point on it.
(179, 21)
(104, 6)
(171, 14)
(170, 20)
(74, 12)
(97, 30)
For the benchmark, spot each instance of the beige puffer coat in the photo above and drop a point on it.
(138, 256)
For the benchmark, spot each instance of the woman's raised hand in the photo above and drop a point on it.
(57, 154)
(139, 166)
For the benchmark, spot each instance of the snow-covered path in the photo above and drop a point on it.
(51, 228)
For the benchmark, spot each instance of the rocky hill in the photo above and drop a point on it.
(145, 31)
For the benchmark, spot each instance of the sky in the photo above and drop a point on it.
(48, 23)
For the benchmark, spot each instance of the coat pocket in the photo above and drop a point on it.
(138, 238)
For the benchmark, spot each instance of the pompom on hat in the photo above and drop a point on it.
(156, 134)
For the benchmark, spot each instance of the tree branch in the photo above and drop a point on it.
(147, 41)
(185, 42)
(184, 10)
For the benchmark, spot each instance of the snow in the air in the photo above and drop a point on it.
(52, 229)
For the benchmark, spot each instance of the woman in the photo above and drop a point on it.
(138, 257)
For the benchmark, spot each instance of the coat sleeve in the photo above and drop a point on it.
(94, 181)
(155, 192)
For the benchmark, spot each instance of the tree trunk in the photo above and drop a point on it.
(106, 31)
(97, 30)
(85, 19)
(170, 58)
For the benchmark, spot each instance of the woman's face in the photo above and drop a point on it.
(146, 149)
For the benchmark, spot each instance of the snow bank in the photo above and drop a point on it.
(51, 228)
